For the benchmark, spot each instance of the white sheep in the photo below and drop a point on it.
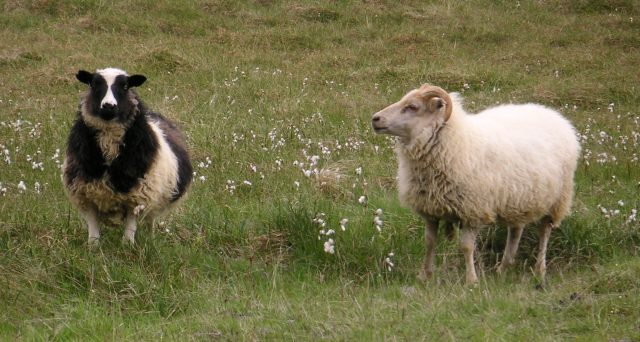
(122, 161)
(511, 164)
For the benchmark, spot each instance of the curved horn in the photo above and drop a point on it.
(428, 91)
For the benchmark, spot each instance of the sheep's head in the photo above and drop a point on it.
(109, 91)
(421, 109)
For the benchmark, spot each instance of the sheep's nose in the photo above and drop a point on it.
(108, 106)
(376, 118)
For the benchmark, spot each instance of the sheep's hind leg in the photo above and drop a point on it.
(541, 264)
(93, 225)
(468, 246)
(430, 239)
(510, 250)
(129, 229)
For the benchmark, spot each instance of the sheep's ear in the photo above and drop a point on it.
(84, 76)
(436, 104)
(135, 80)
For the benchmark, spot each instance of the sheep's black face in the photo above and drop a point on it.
(108, 93)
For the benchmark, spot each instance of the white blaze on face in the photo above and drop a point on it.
(109, 75)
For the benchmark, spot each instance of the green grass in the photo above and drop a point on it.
(261, 86)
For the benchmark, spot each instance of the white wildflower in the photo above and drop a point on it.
(378, 223)
(632, 217)
(7, 156)
(343, 224)
(362, 200)
(314, 160)
(329, 246)
(22, 187)
(389, 262)
(319, 220)
(56, 155)
(230, 186)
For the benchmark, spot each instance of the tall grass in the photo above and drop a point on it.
(275, 98)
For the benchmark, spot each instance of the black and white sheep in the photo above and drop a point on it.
(512, 164)
(122, 161)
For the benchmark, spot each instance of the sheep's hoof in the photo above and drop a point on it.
(128, 241)
(502, 269)
(424, 275)
(539, 282)
(472, 286)
(93, 243)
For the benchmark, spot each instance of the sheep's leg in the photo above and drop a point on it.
(468, 246)
(129, 229)
(430, 239)
(541, 264)
(510, 250)
(93, 225)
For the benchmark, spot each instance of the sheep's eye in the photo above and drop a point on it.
(410, 108)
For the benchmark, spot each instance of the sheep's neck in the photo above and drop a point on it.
(110, 141)
(424, 147)
(110, 134)
(425, 163)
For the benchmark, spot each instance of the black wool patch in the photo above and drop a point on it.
(85, 159)
(137, 152)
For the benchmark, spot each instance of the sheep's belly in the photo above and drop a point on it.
(424, 204)
(100, 196)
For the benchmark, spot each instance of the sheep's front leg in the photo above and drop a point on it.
(468, 246)
(93, 225)
(541, 264)
(430, 239)
(129, 229)
(510, 250)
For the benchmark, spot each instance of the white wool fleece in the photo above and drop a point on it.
(512, 163)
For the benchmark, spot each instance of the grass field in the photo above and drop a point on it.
(276, 98)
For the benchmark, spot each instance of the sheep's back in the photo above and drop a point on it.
(529, 136)
(525, 154)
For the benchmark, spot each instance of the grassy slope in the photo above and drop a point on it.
(259, 85)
